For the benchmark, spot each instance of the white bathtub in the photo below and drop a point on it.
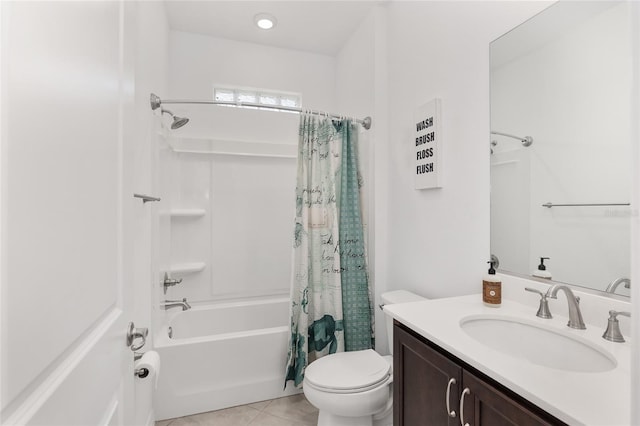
(222, 355)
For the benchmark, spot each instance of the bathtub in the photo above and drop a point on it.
(222, 355)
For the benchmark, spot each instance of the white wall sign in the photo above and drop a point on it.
(428, 165)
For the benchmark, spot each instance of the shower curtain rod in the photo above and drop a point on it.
(526, 141)
(156, 102)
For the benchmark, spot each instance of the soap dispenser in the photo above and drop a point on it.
(491, 288)
(542, 272)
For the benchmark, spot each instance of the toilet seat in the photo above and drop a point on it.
(348, 372)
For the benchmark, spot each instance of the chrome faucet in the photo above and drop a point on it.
(575, 316)
(611, 288)
(167, 304)
(543, 308)
(612, 333)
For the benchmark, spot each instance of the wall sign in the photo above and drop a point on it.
(428, 164)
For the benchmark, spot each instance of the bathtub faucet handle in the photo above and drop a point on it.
(169, 282)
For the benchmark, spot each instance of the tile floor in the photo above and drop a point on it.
(292, 410)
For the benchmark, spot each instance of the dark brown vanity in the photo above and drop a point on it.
(429, 383)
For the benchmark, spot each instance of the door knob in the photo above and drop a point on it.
(134, 333)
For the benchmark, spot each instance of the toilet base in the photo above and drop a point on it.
(385, 418)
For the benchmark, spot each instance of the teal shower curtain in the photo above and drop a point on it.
(331, 303)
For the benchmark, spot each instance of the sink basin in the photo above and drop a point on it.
(538, 344)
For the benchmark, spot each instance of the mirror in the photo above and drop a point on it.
(561, 149)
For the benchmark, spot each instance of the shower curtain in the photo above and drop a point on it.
(331, 303)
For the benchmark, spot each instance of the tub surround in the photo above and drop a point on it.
(600, 398)
(222, 355)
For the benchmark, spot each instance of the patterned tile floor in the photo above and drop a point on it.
(293, 410)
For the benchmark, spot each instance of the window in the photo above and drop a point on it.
(268, 98)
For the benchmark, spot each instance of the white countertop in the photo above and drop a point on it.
(601, 398)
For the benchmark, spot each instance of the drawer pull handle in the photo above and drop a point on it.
(450, 412)
(464, 392)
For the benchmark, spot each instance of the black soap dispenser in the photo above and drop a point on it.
(491, 288)
(542, 272)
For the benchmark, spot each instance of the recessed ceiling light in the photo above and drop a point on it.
(265, 21)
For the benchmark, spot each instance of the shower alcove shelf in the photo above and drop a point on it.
(188, 214)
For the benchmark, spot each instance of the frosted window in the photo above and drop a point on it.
(290, 101)
(268, 99)
(247, 97)
(257, 96)
(224, 95)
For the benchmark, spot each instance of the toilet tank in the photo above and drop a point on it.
(391, 298)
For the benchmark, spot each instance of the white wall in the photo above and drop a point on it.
(151, 77)
(151, 69)
(198, 61)
(355, 71)
(438, 239)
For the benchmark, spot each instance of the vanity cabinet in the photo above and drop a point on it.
(429, 383)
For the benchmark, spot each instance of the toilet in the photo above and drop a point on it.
(355, 388)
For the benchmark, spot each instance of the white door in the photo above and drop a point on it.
(66, 92)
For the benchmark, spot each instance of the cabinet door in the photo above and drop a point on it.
(485, 405)
(421, 377)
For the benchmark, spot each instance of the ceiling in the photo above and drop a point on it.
(313, 26)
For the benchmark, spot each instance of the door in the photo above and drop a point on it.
(421, 379)
(66, 93)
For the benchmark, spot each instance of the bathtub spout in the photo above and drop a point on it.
(167, 304)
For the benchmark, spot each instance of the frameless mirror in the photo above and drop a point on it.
(560, 145)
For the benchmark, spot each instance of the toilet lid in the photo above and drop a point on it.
(348, 371)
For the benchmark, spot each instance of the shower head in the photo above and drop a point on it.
(156, 103)
(178, 122)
